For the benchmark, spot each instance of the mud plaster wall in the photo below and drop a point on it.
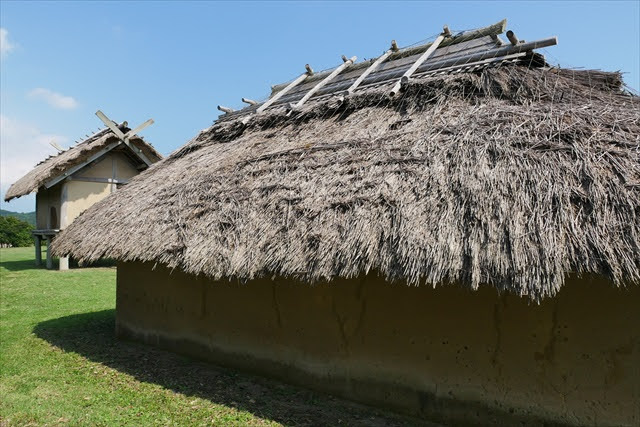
(448, 354)
(45, 200)
(82, 195)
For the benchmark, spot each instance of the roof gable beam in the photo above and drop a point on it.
(125, 137)
(77, 167)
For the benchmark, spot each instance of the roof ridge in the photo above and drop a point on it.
(447, 52)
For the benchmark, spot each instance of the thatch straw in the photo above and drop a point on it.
(55, 165)
(511, 176)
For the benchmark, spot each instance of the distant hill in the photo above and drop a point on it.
(29, 217)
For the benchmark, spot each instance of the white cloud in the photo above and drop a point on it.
(56, 100)
(5, 45)
(22, 146)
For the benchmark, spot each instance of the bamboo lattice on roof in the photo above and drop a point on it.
(482, 47)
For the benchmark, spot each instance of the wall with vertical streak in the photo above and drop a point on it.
(448, 354)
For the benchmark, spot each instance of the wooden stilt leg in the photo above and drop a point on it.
(49, 257)
(38, 243)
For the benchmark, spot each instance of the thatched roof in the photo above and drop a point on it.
(513, 176)
(53, 166)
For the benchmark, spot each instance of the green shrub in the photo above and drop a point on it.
(14, 232)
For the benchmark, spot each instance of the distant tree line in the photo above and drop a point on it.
(29, 217)
(14, 232)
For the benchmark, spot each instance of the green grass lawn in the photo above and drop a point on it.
(60, 364)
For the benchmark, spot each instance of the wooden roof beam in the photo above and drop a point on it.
(459, 60)
(139, 128)
(76, 168)
(336, 71)
(405, 77)
(373, 67)
(491, 30)
(138, 151)
(125, 137)
(296, 82)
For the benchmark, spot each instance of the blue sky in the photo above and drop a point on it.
(175, 61)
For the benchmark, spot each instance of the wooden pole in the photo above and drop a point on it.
(76, 168)
(139, 128)
(225, 109)
(125, 138)
(249, 101)
(37, 240)
(495, 29)
(49, 256)
(114, 174)
(64, 221)
(405, 77)
(296, 82)
(373, 67)
(505, 50)
(512, 37)
(326, 80)
(110, 124)
(477, 63)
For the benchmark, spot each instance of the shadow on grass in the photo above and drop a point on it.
(30, 264)
(92, 336)
(20, 265)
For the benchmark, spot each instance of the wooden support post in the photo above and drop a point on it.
(64, 219)
(114, 174)
(37, 240)
(64, 207)
(373, 67)
(49, 256)
(338, 70)
(404, 79)
(296, 82)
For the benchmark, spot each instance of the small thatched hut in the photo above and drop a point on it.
(467, 249)
(74, 179)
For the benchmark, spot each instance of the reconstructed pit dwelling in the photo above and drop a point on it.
(451, 230)
(74, 179)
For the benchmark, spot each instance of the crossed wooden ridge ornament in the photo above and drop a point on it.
(124, 137)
